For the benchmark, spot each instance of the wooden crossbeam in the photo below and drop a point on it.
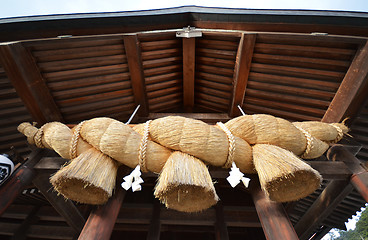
(327, 201)
(188, 73)
(351, 87)
(27, 80)
(274, 220)
(64, 207)
(133, 52)
(21, 177)
(241, 72)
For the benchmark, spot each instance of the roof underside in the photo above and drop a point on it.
(264, 61)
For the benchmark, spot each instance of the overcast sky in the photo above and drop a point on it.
(14, 8)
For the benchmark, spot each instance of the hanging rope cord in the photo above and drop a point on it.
(74, 142)
(143, 147)
(231, 139)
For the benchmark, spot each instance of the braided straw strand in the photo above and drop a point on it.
(340, 133)
(309, 142)
(231, 138)
(74, 142)
(143, 147)
(38, 137)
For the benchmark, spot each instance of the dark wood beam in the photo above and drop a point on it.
(21, 232)
(221, 232)
(274, 220)
(133, 52)
(155, 225)
(241, 71)
(21, 178)
(359, 179)
(188, 73)
(23, 72)
(353, 82)
(101, 221)
(330, 197)
(64, 207)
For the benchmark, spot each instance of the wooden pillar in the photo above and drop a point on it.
(274, 220)
(221, 232)
(155, 225)
(188, 73)
(133, 52)
(21, 178)
(359, 179)
(101, 221)
(241, 72)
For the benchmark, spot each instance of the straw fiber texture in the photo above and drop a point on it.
(322, 131)
(282, 175)
(185, 184)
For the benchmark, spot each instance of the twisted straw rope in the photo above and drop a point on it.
(38, 137)
(340, 133)
(143, 147)
(309, 138)
(75, 138)
(231, 138)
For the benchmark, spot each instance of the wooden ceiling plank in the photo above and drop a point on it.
(101, 221)
(274, 220)
(327, 201)
(134, 56)
(64, 207)
(24, 74)
(241, 71)
(188, 73)
(353, 81)
(21, 178)
(21, 232)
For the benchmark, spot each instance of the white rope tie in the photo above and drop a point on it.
(143, 147)
(309, 139)
(340, 133)
(38, 137)
(231, 139)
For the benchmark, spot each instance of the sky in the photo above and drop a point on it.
(16, 8)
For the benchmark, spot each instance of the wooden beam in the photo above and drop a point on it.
(155, 225)
(330, 197)
(21, 178)
(221, 232)
(133, 52)
(21, 232)
(241, 72)
(359, 179)
(101, 221)
(274, 220)
(188, 73)
(64, 207)
(23, 72)
(352, 83)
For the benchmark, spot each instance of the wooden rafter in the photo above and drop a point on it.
(327, 201)
(241, 71)
(351, 85)
(64, 207)
(188, 73)
(24, 74)
(133, 52)
(101, 221)
(275, 222)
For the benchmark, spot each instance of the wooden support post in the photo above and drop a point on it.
(275, 222)
(19, 180)
(241, 72)
(65, 208)
(221, 232)
(21, 232)
(155, 225)
(133, 52)
(351, 85)
(27, 80)
(101, 221)
(188, 73)
(359, 179)
(330, 197)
